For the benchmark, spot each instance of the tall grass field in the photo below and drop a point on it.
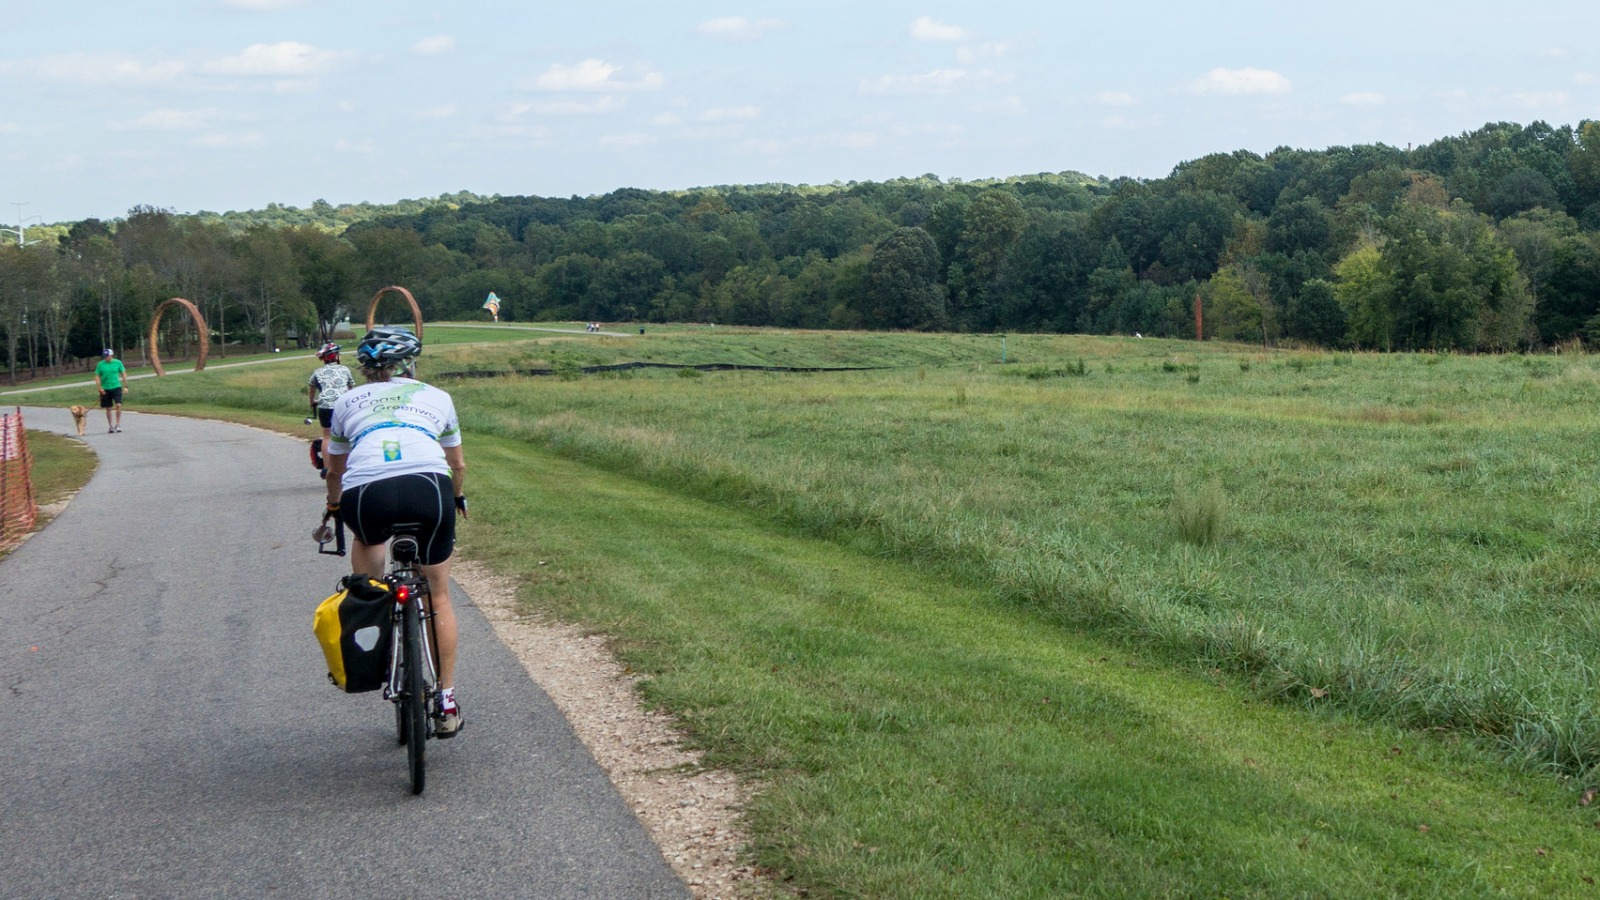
(1034, 615)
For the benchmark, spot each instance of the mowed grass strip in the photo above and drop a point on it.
(61, 465)
(916, 739)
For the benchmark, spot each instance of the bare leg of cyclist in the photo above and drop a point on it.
(444, 620)
(366, 559)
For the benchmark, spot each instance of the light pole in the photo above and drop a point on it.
(21, 231)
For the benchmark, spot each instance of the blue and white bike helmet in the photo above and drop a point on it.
(384, 347)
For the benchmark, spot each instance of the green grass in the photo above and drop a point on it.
(1409, 535)
(61, 465)
(1119, 618)
(915, 738)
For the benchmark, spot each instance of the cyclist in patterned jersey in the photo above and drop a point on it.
(327, 384)
(394, 456)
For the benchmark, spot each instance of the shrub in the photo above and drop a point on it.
(1199, 515)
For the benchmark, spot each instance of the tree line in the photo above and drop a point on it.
(1488, 240)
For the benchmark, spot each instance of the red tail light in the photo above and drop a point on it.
(402, 594)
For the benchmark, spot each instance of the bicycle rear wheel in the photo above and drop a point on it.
(414, 699)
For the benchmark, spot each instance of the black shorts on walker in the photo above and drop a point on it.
(425, 502)
(110, 398)
(325, 416)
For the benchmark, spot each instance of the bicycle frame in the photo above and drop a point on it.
(402, 573)
(413, 683)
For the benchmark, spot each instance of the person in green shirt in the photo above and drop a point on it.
(113, 376)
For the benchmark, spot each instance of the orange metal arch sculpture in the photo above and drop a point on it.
(416, 311)
(199, 322)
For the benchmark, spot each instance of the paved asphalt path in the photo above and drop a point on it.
(170, 731)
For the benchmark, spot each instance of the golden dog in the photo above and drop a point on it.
(79, 414)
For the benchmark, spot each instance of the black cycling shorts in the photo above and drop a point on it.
(423, 505)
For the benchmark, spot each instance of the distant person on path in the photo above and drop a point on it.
(326, 385)
(394, 456)
(113, 378)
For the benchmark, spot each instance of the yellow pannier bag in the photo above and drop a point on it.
(354, 627)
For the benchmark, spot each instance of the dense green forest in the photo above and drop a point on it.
(1489, 240)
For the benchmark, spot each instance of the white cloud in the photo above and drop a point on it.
(1241, 81)
(731, 114)
(1114, 98)
(592, 75)
(945, 130)
(849, 140)
(1364, 98)
(438, 45)
(446, 111)
(576, 107)
(1552, 53)
(294, 86)
(982, 52)
(1584, 78)
(532, 135)
(939, 81)
(626, 141)
(738, 28)
(174, 120)
(22, 130)
(927, 28)
(1542, 99)
(1005, 106)
(263, 4)
(110, 69)
(1124, 123)
(361, 147)
(214, 141)
(283, 59)
(760, 146)
(667, 119)
(713, 132)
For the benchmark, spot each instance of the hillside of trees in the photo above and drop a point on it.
(1486, 241)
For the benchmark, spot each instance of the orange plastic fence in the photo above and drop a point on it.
(17, 507)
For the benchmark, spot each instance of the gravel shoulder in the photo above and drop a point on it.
(691, 812)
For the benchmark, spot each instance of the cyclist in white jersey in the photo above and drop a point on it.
(394, 456)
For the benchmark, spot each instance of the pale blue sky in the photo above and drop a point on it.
(234, 104)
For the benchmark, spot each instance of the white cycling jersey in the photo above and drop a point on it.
(396, 427)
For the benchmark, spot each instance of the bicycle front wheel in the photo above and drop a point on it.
(414, 700)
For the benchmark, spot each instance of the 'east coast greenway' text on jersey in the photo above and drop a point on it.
(397, 427)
